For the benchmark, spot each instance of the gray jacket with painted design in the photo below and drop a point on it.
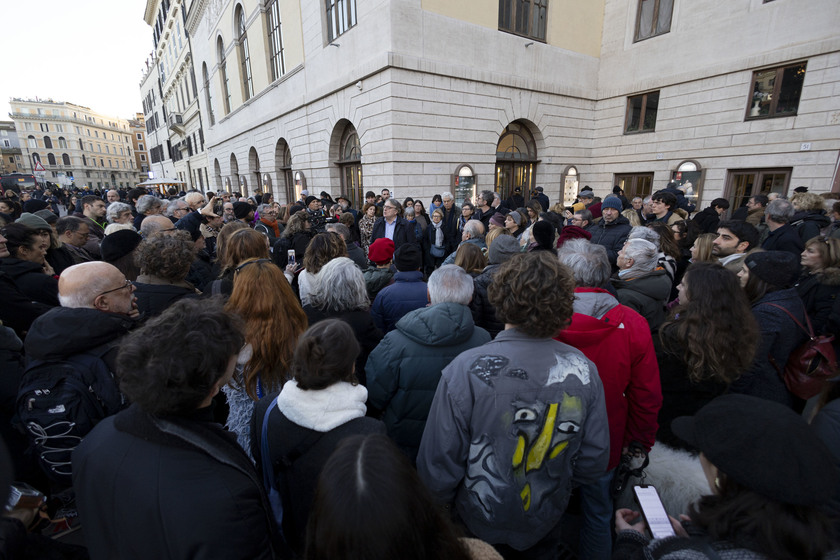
(514, 424)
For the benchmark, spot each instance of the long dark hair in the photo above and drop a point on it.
(667, 242)
(749, 520)
(371, 504)
(715, 331)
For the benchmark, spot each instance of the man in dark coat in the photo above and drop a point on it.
(404, 369)
(782, 236)
(542, 199)
(484, 209)
(708, 219)
(451, 213)
(394, 227)
(612, 231)
(161, 479)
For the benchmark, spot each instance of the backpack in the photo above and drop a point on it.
(59, 403)
(811, 364)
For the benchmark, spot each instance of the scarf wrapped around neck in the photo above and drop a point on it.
(438, 233)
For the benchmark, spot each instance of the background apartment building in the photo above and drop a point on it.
(75, 144)
(174, 96)
(11, 160)
(138, 140)
(423, 96)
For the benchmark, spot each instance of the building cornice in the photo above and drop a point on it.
(151, 10)
(194, 15)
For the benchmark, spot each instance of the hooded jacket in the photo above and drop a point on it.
(707, 220)
(808, 223)
(407, 293)
(29, 277)
(618, 341)
(646, 294)
(611, 235)
(514, 424)
(404, 370)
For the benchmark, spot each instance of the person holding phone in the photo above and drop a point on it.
(770, 479)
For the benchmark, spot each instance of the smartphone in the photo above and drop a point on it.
(23, 496)
(654, 512)
(291, 256)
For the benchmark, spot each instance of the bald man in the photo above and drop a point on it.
(98, 308)
(156, 224)
(112, 196)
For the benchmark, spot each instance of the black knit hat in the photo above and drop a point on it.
(242, 209)
(408, 258)
(119, 244)
(764, 446)
(777, 268)
(543, 234)
(33, 205)
(310, 199)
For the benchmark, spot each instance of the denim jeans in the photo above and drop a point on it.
(597, 513)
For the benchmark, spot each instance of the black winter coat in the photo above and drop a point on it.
(809, 223)
(30, 279)
(403, 232)
(819, 292)
(707, 220)
(306, 450)
(784, 238)
(17, 310)
(779, 337)
(367, 334)
(483, 312)
(168, 488)
(611, 235)
(154, 299)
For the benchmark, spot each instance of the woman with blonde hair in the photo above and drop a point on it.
(273, 322)
(810, 215)
(701, 250)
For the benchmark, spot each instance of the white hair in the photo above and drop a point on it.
(339, 286)
(475, 228)
(588, 261)
(148, 202)
(646, 233)
(115, 209)
(644, 255)
(446, 195)
(450, 284)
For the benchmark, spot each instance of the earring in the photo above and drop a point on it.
(717, 484)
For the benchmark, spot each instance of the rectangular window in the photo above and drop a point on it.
(341, 16)
(524, 17)
(59, 128)
(139, 136)
(776, 91)
(741, 184)
(140, 146)
(27, 126)
(653, 18)
(635, 184)
(275, 40)
(142, 157)
(641, 113)
(45, 127)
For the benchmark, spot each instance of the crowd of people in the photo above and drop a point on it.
(207, 375)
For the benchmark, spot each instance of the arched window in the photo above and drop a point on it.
(65, 159)
(220, 52)
(62, 143)
(350, 162)
(50, 158)
(84, 160)
(516, 161)
(275, 41)
(571, 184)
(36, 158)
(244, 55)
(30, 140)
(463, 184)
(48, 143)
(207, 97)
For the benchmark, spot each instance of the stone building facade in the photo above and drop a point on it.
(11, 160)
(75, 144)
(425, 96)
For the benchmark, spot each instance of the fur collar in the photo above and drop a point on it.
(324, 409)
(829, 276)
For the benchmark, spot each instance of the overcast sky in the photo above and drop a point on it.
(88, 52)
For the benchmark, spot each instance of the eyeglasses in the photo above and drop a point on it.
(128, 284)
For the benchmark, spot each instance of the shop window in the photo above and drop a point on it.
(741, 184)
(689, 177)
(635, 184)
(464, 184)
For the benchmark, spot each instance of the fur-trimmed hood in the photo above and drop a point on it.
(829, 276)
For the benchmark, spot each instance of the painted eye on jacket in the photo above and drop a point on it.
(525, 415)
(568, 428)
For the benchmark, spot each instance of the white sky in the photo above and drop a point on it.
(87, 52)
